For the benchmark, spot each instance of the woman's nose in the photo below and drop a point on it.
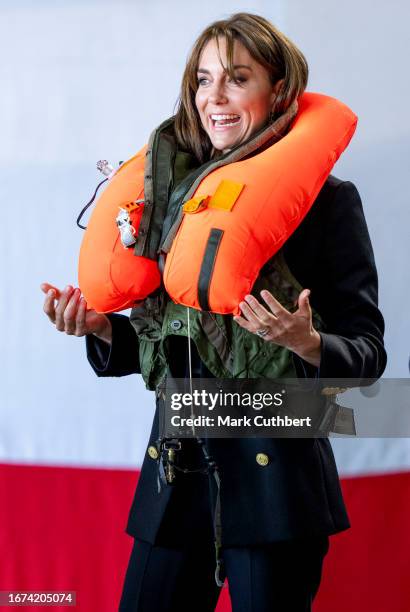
(217, 94)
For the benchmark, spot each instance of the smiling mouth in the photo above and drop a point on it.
(224, 120)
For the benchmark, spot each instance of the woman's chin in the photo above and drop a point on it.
(224, 144)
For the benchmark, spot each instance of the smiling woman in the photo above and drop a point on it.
(209, 509)
(243, 67)
(232, 108)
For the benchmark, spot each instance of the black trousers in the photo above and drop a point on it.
(275, 577)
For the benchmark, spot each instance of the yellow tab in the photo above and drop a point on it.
(226, 195)
(196, 204)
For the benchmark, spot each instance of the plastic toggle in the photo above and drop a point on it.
(196, 204)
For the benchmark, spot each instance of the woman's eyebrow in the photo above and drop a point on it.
(205, 71)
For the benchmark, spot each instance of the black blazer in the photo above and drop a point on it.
(298, 492)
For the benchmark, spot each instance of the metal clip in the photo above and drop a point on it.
(105, 168)
(219, 569)
(127, 231)
(169, 449)
(170, 470)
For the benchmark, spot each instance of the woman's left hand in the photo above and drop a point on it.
(294, 331)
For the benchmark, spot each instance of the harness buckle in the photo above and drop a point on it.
(167, 460)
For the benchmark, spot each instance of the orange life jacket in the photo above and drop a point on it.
(237, 219)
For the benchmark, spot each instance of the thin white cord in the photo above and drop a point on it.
(190, 365)
(189, 349)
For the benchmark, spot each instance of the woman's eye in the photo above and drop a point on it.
(238, 79)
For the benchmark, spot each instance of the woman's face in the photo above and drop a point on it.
(232, 111)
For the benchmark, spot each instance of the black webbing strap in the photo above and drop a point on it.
(166, 476)
(220, 574)
(207, 267)
(159, 160)
(219, 569)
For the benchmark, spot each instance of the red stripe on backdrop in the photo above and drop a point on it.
(63, 529)
(368, 566)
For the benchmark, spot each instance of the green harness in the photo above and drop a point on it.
(226, 349)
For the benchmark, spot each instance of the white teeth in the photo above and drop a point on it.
(223, 117)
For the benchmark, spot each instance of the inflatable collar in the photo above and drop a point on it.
(237, 218)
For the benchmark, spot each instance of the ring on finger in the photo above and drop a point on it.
(264, 331)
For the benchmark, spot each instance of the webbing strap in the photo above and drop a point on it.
(217, 525)
(219, 569)
(186, 190)
(207, 267)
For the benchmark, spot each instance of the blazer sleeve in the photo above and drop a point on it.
(122, 356)
(352, 345)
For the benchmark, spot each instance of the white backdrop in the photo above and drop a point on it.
(81, 81)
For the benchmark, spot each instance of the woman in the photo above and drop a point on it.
(277, 500)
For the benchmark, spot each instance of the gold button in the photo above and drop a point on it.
(262, 459)
(152, 452)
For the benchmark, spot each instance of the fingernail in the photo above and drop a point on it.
(50, 292)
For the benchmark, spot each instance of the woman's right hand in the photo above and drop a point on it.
(70, 314)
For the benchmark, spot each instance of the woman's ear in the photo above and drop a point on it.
(275, 91)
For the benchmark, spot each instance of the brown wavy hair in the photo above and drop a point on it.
(267, 45)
